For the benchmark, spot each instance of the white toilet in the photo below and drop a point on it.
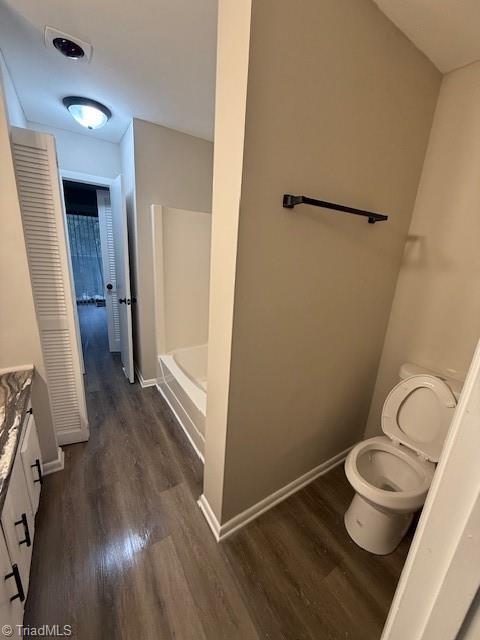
(391, 474)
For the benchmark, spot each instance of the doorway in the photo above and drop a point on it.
(84, 240)
(95, 216)
(89, 275)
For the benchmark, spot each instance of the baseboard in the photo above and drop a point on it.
(210, 517)
(221, 532)
(151, 382)
(54, 465)
(180, 422)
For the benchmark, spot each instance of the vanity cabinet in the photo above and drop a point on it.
(32, 463)
(18, 523)
(11, 594)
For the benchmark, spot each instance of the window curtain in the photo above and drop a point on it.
(85, 249)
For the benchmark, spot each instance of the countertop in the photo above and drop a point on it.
(15, 389)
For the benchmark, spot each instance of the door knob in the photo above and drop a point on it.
(109, 286)
(124, 301)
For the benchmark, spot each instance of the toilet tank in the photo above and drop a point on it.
(408, 369)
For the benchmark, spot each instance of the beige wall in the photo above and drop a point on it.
(471, 627)
(173, 169)
(233, 36)
(182, 282)
(19, 337)
(435, 317)
(339, 106)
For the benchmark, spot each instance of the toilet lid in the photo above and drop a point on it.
(417, 413)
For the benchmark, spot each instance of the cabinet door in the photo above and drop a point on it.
(11, 596)
(18, 522)
(32, 463)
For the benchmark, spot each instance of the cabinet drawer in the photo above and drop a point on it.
(32, 463)
(18, 522)
(11, 596)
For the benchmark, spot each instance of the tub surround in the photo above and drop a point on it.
(15, 388)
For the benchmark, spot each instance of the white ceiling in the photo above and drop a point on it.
(152, 59)
(155, 59)
(447, 31)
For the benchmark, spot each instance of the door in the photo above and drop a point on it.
(105, 220)
(39, 191)
(122, 271)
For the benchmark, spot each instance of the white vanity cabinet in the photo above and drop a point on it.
(11, 590)
(18, 520)
(32, 462)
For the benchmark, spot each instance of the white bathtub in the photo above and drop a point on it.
(182, 380)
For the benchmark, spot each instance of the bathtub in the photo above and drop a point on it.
(182, 380)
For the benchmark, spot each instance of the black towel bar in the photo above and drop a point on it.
(290, 201)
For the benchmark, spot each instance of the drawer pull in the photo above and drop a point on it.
(18, 582)
(23, 520)
(39, 469)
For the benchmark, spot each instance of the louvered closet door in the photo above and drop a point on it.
(108, 264)
(43, 219)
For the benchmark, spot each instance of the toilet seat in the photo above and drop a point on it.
(417, 413)
(402, 500)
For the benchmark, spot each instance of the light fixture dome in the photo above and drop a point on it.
(88, 113)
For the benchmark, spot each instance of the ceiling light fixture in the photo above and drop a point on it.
(88, 113)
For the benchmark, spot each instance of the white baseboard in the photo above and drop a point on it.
(151, 382)
(221, 532)
(54, 465)
(210, 517)
(180, 422)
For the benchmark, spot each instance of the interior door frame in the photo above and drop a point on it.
(77, 176)
(101, 181)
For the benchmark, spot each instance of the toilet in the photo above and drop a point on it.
(391, 474)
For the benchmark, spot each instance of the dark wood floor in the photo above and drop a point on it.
(122, 551)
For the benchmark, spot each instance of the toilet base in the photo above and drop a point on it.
(375, 530)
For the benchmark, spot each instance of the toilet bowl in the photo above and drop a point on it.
(391, 474)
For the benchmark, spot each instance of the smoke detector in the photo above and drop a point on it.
(69, 46)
